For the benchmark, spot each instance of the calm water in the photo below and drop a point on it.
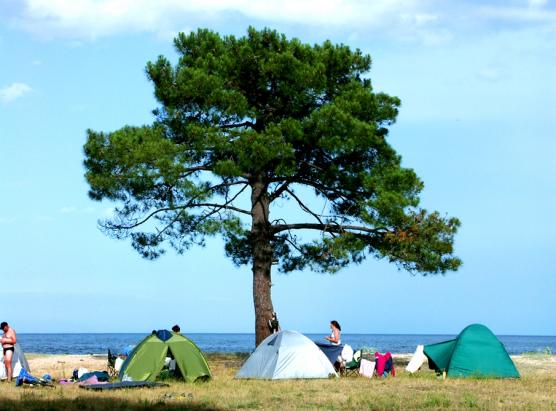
(395, 343)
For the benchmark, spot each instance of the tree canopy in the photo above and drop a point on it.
(244, 123)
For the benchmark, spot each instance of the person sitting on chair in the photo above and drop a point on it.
(335, 335)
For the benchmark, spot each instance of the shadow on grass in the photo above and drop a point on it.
(98, 404)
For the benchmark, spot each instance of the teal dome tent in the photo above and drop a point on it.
(476, 352)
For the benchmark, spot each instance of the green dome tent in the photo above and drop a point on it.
(147, 359)
(476, 352)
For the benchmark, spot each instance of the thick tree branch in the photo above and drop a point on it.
(188, 171)
(236, 125)
(214, 211)
(161, 210)
(329, 227)
(190, 204)
(279, 191)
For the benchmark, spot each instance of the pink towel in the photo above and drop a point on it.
(89, 381)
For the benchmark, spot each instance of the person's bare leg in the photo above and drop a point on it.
(8, 362)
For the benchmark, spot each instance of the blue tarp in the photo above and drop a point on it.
(164, 335)
(332, 352)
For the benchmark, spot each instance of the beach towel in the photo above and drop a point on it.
(367, 368)
(417, 360)
(92, 380)
(100, 375)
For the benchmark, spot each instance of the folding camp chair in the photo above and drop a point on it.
(351, 368)
(112, 364)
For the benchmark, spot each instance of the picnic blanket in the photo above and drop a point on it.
(123, 384)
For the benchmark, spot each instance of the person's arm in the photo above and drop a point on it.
(9, 339)
(336, 337)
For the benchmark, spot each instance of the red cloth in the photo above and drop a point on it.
(381, 360)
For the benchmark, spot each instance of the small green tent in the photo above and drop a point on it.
(147, 359)
(476, 352)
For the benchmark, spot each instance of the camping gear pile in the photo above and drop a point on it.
(368, 364)
(25, 378)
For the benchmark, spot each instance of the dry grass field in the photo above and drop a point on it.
(536, 390)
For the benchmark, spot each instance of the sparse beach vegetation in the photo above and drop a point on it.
(535, 390)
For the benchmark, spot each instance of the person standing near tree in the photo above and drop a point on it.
(8, 345)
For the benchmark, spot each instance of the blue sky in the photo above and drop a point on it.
(477, 82)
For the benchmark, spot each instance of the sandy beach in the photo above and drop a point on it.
(61, 366)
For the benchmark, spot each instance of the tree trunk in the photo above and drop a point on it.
(262, 259)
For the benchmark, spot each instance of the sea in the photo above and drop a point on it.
(233, 343)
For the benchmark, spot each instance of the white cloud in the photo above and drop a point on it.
(428, 22)
(13, 92)
(537, 3)
(68, 210)
(532, 14)
(489, 73)
(90, 19)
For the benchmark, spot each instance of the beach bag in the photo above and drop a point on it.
(384, 364)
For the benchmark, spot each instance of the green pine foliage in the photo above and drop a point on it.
(273, 113)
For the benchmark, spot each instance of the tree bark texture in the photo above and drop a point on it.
(262, 259)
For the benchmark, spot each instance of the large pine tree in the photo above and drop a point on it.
(246, 122)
